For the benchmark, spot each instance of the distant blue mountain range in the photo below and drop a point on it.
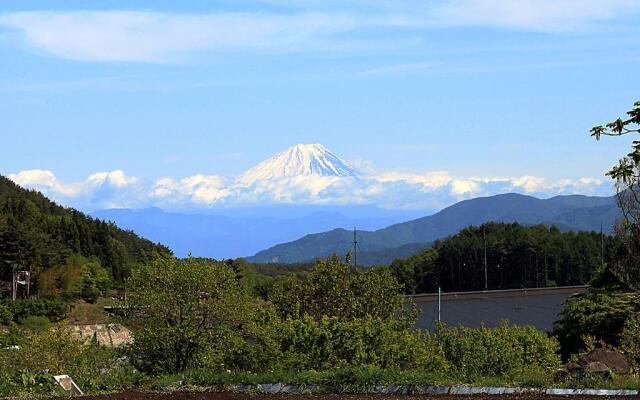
(303, 233)
(238, 232)
(574, 212)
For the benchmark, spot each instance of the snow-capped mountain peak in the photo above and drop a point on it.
(299, 160)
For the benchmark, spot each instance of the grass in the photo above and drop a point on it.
(597, 382)
(339, 381)
(347, 380)
(84, 313)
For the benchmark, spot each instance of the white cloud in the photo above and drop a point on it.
(43, 180)
(159, 37)
(148, 36)
(430, 180)
(99, 190)
(539, 15)
(432, 189)
(530, 184)
(116, 178)
(464, 187)
(200, 189)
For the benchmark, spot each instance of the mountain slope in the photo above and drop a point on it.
(36, 232)
(240, 232)
(571, 212)
(299, 160)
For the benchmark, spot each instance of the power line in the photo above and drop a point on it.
(484, 240)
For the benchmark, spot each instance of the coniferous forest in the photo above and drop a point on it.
(517, 256)
(65, 250)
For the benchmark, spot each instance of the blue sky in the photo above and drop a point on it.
(474, 90)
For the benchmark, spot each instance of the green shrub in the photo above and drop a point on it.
(184, 313)
(599, 315)
(630, 341)
(36, 323)
(55, 310)
(330, 342)
(42, 354)
(6, 316)
(257, 345)
(505, 351)
(333, 289)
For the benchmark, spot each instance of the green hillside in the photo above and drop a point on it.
(40, 235)
(575, 212)
(517, 256)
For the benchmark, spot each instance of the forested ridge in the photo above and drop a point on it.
(517, 256)
(38, 234)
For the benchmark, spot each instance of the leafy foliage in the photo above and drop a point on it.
(627, 177)
(183, 312)
(77, 277)
(6, 316)
(334, 289)
(37, 234)
(505, 351)
(629, 340)
(20, 309)
(36, 324)
(610, 312)
(330, 342)
(517, 256)
(38, 355)
(418, 273)
(599, 316)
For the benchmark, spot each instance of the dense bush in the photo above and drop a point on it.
(257, 345)
(30, 366)
(598, 316)
(505, 351)
(77, 277)
(55, 310)
(183, 313)
(369, 341)
(6, 316)
(630, 341)
(35, 323)
(334, 289)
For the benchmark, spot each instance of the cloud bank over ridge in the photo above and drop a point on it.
(396, 190)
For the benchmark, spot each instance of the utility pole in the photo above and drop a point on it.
(484, 240)
(14, 283)
(355, 249)
(29, 282)
(439, 303)
(601, 246)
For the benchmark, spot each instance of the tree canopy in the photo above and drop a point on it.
(518, 256)
(626, 174)
(39, 235)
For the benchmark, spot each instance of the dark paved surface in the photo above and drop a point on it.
(537, 307)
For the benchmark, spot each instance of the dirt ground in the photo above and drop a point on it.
(246, 396)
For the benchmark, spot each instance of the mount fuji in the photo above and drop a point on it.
(299, 160)
(294, 231)
(229, 232)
